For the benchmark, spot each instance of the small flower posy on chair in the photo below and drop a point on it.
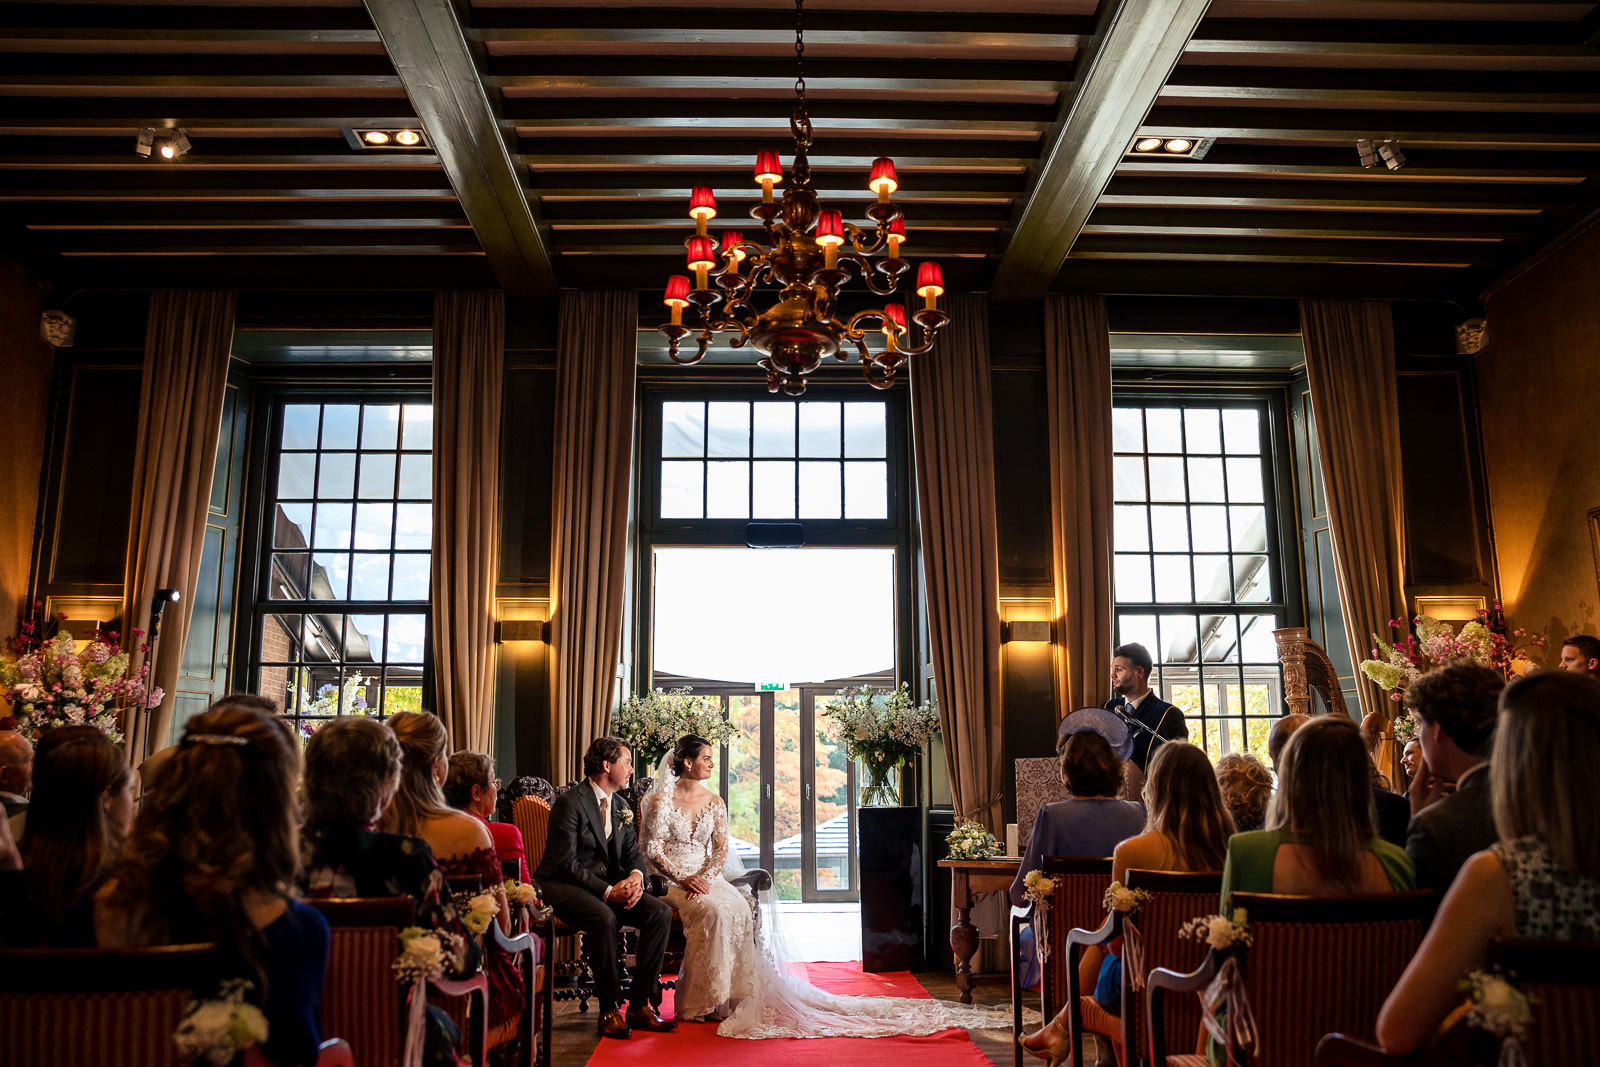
(1039, 887)
(1499, 1008)
(215, 1031)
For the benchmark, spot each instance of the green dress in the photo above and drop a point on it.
(1248, 868)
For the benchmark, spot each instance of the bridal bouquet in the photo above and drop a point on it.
(219, 1029)
(882, 730)
(61, 681)
(652, 723)
(1433, 643)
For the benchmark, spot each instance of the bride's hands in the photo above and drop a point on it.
(696, 886)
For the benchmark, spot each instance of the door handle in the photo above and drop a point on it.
(808, 791)
(769, 790)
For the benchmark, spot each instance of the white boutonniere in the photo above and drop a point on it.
(625, 815)
(217, 1030)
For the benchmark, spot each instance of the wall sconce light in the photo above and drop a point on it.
(522, 630)
(1028, 630)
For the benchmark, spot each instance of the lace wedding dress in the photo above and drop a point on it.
(734, 964)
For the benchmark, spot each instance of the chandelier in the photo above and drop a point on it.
(804, 252)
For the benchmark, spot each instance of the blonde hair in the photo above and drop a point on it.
(1246, 787)
(422, 741)
(1542, 770)
(1325, 796)
(1185, 805)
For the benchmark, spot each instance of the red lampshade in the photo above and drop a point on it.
(883, 177)
(731, 240)
(895, 313)
(702, 204)
(702, 253)
(930, 280)
(897, 230)
(830, 228)
(677, 291)
(767, 167)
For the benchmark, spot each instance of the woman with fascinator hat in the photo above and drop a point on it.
(735, 964)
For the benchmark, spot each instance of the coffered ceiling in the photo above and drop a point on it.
(564, 138)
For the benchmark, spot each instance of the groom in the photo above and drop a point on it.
(592, 875)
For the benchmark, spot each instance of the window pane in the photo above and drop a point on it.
(291, 576)
(1211, 583)
(1138, 629)
(1205, 479)
(405, 638)
(1131, 528)
(774, 429)
(336, 476)
(1253, 579)
(865, 435)
(819, 429)
(1241, 430)
(1221, 634)
(1244, 481)
(413, 526)
(728, 429)
(1127, 429)
(728, 490)
(297, 474)
(411, 576)
(1201, 431)
(402, 690)
(1249, 528)
(1127, 478)
(339, 422)
(1165, 430)
(773, 486)
(292, 526)
(1258, 643)
(373, 522)
(1210, 528)
(1166, 478)
(683, 429)
(333, 526)
(1133, 579)
(300, 425)
(1172, 579)
(380, 426)
(417, 427)
(363, 638)
(682, 491)
(819, 485)
(866, 490)
(280, 639)
(416, 477)
(330, 576)
(370, 576)
(377, 477)
(1170, 528)
(1178, 641)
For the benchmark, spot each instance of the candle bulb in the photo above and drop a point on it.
(883, 180)
(768, 173)
(677, 297)
(702, 257)
(930, 284)
(830, 235)
(894, 320)
(702, 206)
(897, 237)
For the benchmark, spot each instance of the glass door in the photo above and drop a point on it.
(828, 805)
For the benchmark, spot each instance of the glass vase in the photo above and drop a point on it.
(882, 787)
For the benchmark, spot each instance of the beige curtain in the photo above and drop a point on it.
(1350, 363)
(187, 340)
(593, 451)
(953, 447)
(468, 372)
(1077, 359)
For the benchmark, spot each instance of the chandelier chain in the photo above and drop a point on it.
(800, 49)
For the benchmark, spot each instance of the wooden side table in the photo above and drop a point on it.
(971, 881)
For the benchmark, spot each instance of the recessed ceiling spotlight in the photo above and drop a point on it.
(389, 138)
(408, 138)
(375, 137)
(1178, 145)
(1370, 151)
(1183, 147)
(1147, 144)
(167, 144)
(1393, 158)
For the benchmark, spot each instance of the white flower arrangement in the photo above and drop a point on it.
(521, 893)
(1120, 898)
(653, 722)
(971, 841)
(1499, 1008)
(477, 910)
(217, 1030)
(1219, 931)
(426, 954)
(882, 731)
(1038, 886)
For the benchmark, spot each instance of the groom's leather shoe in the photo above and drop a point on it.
(644, 1017)
(613, 1025)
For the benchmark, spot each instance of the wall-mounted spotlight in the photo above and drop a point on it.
(1171, 147)
(387, 138)
(522, 630)
(164, 144)
(1027, 630)
(1370, 151)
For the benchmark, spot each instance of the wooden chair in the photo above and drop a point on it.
(1564, 979)
(523, 1024)
(1078, 900)
(1175, 898)
(362, 1002)
(555, 981)
(1315, 965)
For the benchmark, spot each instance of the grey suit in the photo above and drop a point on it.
(1443, 835)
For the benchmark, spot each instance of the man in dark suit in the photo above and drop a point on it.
(592, 875)
(1131, 694)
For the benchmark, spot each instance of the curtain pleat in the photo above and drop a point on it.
(188, 337)
(595, 365)
(468, 377)
(1077, 356)
(953, 448)
(1354, 399)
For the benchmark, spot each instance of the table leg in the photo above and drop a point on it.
(964, 943)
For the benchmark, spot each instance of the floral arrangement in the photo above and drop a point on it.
(521, 893)
(347, 699)
(1039, 887)
(1433, 643)
(971, 841)
(217, 1030)
(426, 954)
(477, 910)
(882, 730)
(1218, 931)
(57, 680)
(1499, 1008)
(1120, 898)
(652, 723)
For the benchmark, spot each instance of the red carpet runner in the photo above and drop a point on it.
(698, 1043)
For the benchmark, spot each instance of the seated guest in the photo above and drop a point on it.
(82, 807)
(16, 772)
(1278, 737)
(1246, 787)
(1410, 760)
(1581, 654)
(1541, 879)
(212, 858)
(1321, 837)
(472, 787)
(1393, 811)
(1456, 708)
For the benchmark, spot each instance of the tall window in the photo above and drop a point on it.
(342, 607)
(1198, 580)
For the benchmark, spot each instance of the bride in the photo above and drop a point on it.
(735, 968)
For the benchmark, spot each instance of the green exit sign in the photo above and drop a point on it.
(771, 687)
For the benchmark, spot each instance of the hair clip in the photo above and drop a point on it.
(215, 739)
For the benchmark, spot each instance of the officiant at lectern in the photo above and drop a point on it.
(1131, 696)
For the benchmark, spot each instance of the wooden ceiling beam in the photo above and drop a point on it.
(777, 87)
(112, 40)
(1439, 130)
(1353, 172)
(1280, 250)
(1347, 98)
(910, 166)
(719, 43)
(1386, 55)
(1117, 78)
(1240, 222)
(429, 47)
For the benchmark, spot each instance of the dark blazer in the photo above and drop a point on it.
(1165, 719)
(1394, 812)
(1444, 834)
(577, 851)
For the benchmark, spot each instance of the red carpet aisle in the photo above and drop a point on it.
(698, 1043)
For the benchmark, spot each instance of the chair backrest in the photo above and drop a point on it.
(1320, 965)
(361, 1001)
(532, 817)
(66, 1007)
(1175, 898)
(1564, 979)
(1078, 901)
